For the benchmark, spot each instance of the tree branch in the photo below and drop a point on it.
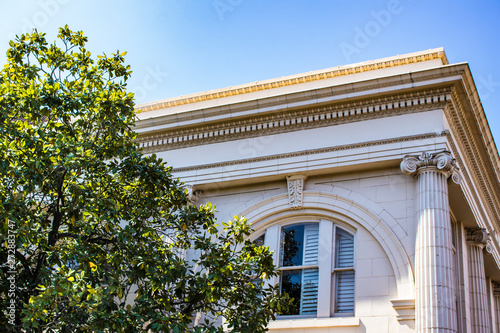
(24, 262)
(89, 239)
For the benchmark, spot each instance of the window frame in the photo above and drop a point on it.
(325, 265)
(303, 267)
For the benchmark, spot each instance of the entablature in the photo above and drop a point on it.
(296, 120)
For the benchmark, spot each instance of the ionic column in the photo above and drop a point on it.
(477, 240)
(496, 310)
(435, 307)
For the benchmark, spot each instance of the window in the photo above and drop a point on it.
(316, 260)
(299, 266)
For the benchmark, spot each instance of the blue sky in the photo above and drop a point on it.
(178, 47)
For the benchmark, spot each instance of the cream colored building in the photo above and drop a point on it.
(377, 185)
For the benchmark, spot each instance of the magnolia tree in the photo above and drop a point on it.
(95, 233)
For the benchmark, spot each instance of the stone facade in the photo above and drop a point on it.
(388, 167)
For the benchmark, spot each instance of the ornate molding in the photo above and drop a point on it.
(295, 186)
(296, 120)
(193, 194)
(492, 246)
(442, 161)
(310, 152)
(477, 236)
(473, 164)
(496, 289)
(405, 309)
(297, 79)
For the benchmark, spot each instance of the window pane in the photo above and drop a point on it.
(344, 249)
(344, 292)
(256, 280)
(291, 282)
(259, 241)
(299, 247)
(292, 239)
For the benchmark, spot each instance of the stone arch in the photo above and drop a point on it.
(343, 205)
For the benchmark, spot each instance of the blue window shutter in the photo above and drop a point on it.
(309, 293)
(344, 258)
(344, 295)
(344, 250)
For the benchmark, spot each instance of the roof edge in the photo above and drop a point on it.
(431, 54)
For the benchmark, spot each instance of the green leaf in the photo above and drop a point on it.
(96, 219)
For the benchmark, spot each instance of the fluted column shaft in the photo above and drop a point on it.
(476, 241)
(496, 301)
(435, 305)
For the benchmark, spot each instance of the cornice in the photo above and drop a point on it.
(234, 109)
(461, 128)
(469, 178)
(301, 78)
(297, 120)
(310, 152)
(482, 122)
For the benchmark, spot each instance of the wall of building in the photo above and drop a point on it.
(341, 134)
(385, 190)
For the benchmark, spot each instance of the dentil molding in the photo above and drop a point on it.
(296, 120)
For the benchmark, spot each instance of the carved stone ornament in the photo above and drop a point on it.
(488, 249)
(295, 190)
(496, 289)
(477, 236)
(442, 161)
(193, 194)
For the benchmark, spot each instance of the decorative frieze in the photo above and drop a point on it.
(310, 152)
(295, 185)
(296, 120)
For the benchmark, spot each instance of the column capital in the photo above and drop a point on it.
(440, 161)
(496, 289)
(477, 236)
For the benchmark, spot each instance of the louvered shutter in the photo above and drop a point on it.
(309, 293)
(344, 250)
(344, 258)
(344, 296)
